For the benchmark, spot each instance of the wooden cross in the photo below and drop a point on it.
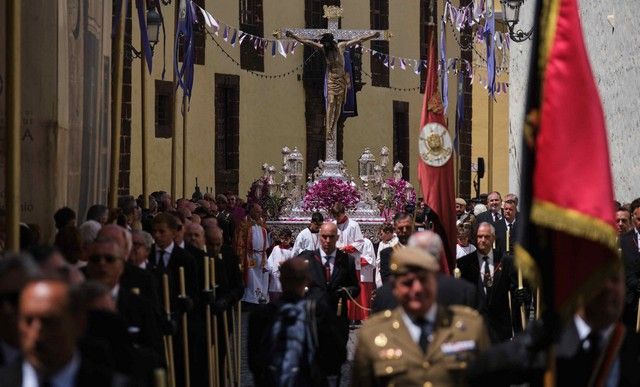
(333, 14)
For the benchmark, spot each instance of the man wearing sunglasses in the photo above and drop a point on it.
(106, 264)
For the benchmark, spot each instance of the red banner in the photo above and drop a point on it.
(567, 194)
(437, 181)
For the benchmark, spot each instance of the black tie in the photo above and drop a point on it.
(161, 264)
(486, 275)
(592, 350)
(46, 383)
(425, 332)
(327, 268)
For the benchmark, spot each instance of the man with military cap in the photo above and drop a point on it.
(420, 342)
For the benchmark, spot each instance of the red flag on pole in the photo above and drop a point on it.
(568, 235)
(435, 165)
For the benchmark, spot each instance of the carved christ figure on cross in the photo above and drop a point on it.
(337, 78)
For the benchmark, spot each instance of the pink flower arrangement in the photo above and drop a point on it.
(400, 200)
(324, 193)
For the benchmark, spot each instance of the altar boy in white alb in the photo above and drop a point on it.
(307, 239)
(278, 256)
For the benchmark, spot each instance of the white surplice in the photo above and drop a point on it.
(277, 257)
(306, 240)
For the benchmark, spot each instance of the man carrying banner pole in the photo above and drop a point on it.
(567, 242)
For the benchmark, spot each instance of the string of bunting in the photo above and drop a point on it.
(257, 73)
(500, 69)
(457, 16)
(470, 15)
(394, 88)
(234, 36)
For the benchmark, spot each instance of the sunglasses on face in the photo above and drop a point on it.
(96, 258)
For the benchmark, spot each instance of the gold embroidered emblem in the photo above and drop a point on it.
(435, 103)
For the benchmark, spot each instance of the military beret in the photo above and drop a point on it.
(410, 259)
(461, 201)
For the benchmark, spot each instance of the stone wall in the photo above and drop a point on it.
(615, 60)
(64, 146)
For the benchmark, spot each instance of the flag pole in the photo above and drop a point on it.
(168, 338)
(185, 332)
(13, 106)
(207, 282)
(116, 116)
(638, 318)
(185, 110)
(174, 126)
(216, 345)
(143, 139)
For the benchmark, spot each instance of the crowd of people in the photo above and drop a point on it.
(132, 290)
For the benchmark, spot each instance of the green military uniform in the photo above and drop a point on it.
(386, 354)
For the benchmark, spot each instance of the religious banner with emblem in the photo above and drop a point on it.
(567, 239)
(435, 166)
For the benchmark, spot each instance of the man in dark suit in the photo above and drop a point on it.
(133, 276)
(451, 291)
(494, 212)
(630, 246)
(507, 227)
(593, 345)
(48, 328)
(494, 277)
(403, 227)
(332, 275)
(106, 263)
(167, 258)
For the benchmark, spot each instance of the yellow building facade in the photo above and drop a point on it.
(272, 111)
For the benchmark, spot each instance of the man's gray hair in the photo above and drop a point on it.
(89, 231)
(146, 237)
(493, 229)
(428, 241)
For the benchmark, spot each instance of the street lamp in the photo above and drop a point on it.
(511, 13)
(154, 21)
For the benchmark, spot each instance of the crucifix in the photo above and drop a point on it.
(336, 78)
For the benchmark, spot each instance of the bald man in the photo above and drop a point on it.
(333, 276)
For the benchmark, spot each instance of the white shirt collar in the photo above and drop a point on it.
(323, 255)
(413, 329)
(168, 249)
(63, 378)
(480, 255)
(115, 291)
(584, 329)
